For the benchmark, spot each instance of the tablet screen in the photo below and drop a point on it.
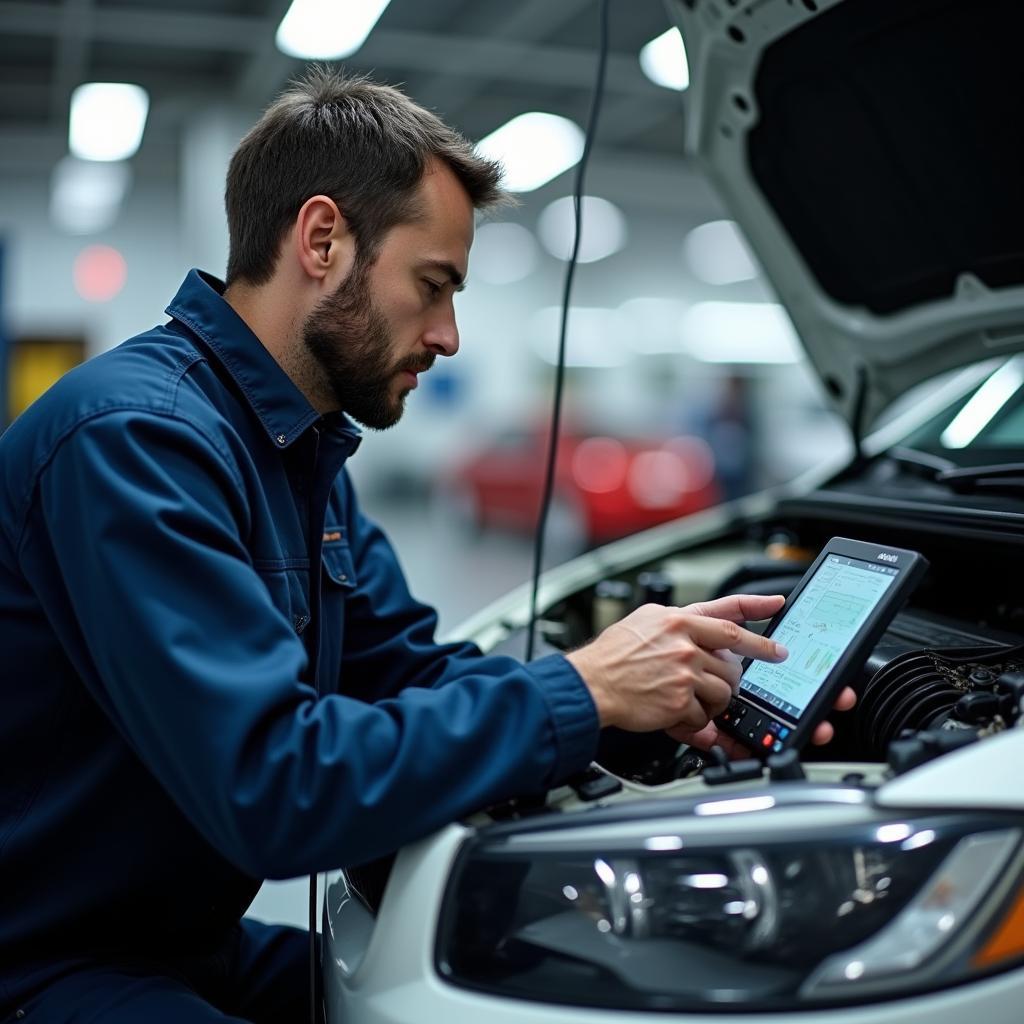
(818, 627)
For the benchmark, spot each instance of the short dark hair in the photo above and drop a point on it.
(363, 144)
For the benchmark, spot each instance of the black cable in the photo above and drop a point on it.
(314, 960)
(857, 427)
(570, 274)
(556, 416)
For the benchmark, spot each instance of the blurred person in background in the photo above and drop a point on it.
(730, 433)
(214, 671)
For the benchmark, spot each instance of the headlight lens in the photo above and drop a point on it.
(690, 914)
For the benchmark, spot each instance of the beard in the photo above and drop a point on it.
(350, 342)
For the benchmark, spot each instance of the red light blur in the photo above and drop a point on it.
(657, 479)
(599, 464)
(698, 458)
(99, 273)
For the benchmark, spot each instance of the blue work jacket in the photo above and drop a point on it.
(211, 669)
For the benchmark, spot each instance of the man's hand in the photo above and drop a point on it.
(739, 609)
(676, 668)
(710, 735)
(673, 668)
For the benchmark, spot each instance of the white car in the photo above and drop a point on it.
(872, 151)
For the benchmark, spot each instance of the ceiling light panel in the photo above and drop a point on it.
(534, 148)
(717, 253)
(327, 29)
(503, 253)
(593, 339)
(664, 62)
(107, 120)
(739, 332)
(604, 229)
(86, 195)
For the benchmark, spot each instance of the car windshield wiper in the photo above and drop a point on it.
(1002, 476)
(923, 463)
(1007, 476)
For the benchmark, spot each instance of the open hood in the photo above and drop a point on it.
(872, 152)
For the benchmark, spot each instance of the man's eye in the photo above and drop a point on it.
(433, 288)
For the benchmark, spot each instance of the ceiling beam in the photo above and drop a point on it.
(71, 57)
(464, 59)
(388, 51)
(33, 153)
(530, 21)
(568, 67)
(30, 149)
(628, 118)
(169, 106)
(25, 100)
(267, 68)
(233, 33)
(35, 148)
(649, 181)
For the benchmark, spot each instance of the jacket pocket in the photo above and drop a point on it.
(338, 563)
(289, 592)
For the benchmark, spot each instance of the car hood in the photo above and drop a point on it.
(872, 154)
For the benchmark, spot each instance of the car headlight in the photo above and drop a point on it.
(773, 901)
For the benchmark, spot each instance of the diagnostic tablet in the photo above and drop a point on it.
(830, 624)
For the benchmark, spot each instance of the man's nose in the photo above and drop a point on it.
(442, 336)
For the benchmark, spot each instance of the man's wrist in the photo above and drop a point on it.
(603, 700)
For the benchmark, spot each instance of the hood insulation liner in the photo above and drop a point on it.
(891, 145)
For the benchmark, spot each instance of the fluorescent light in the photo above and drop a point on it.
(327, 29)
(593, 340)
(650, 325)
(739, 332)
(604, 229)
(534, 148)
(107, 120)
(979, 412)
(503, 253)
(664, 60)
(86, 195)
(717, 253)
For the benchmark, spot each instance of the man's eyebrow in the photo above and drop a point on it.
(450, 270)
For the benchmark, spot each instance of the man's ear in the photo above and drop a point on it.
(325, 247)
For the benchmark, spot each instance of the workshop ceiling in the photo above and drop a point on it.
(477, 62)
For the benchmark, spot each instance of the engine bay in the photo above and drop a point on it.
(948, 671)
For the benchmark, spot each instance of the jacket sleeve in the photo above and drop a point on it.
(137, 552)
(389, 635)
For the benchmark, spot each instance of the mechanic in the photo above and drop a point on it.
(213, 670)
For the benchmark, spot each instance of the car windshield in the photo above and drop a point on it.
(985, 427)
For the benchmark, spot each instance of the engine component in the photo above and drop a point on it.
(908, 753)
(613, 599)
(655, 588)
(951, 688)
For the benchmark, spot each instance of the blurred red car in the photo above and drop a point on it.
(605, 487)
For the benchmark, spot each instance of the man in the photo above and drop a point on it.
(214, 672)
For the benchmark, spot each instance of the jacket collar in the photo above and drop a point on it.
(281, 407)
